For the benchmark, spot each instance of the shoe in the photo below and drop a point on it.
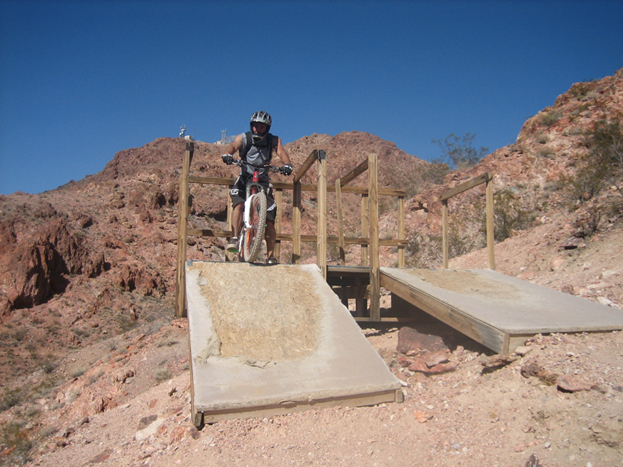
(272, 260)
(232, 246)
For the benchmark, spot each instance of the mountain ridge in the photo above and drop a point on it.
(87, 271)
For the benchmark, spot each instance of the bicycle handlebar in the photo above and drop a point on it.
(272, 168)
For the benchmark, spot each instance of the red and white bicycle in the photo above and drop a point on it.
(254, 219)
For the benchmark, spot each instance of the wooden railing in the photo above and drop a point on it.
(474, 182)
(369, 220)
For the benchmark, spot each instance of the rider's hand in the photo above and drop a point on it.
(228, 159)
(286, 169)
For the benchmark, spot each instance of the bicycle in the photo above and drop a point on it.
(254, 219)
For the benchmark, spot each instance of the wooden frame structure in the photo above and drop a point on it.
(369, 222)
(474, 182)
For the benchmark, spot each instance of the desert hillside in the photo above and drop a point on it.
(94, 369)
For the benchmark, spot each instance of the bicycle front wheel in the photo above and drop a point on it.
(252, 242)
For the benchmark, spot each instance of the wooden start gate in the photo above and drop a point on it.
(359, 282)
(346, 280)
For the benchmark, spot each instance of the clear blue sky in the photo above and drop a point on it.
(81, 80)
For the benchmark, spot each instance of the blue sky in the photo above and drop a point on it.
(81, 80)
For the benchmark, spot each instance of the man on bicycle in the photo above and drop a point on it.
(256, 147)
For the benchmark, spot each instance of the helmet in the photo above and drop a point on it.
(260, 117)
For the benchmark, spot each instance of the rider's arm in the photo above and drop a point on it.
(281, 151)
(233, 147)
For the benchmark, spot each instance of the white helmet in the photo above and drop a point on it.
(260, 117)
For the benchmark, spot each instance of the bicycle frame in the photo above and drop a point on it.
(254, 217)
(252, 189)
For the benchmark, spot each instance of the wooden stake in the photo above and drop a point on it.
(401, 231)
(375, 281)
(182, 226)
(444, 234)
(490, 225)
(340, 227)
(364, 228)
(321, 251)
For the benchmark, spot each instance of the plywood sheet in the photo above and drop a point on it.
(276, 337)
(492, 300)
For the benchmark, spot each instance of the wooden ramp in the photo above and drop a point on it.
(268, 340)
(498, 311)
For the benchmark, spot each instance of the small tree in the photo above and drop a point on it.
(458, 152)
(605, 151)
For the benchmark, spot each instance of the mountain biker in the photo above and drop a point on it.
(256, 147)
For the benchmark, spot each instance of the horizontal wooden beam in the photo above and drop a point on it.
(313, 157)
(212, 180)
(290, 186)
(353, 174)
(210, 233)
(480, 179)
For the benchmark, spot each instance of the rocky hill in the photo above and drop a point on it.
(92, 360)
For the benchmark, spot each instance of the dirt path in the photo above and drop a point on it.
(468, 417)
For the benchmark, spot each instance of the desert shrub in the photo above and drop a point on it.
(546, 152)
(162, 374)
(510, 214)
(10, 398)
(580, 90)
(541, 138)
(423, 252)
(605, 144)
(550, 117)
(600, 167)
(458, 152)
(436, 172)
(15, 438)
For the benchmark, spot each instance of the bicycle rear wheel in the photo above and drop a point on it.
(252, 242)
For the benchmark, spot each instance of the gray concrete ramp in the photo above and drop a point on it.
(267, 340)
(496, 310)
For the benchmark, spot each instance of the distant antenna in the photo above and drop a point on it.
(182, 131)
(225, 139)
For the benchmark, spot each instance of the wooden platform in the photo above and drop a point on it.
(498, 311)
(269, 340)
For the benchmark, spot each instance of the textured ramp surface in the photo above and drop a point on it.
(276, 339)
(487, 303)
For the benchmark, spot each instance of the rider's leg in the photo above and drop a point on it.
(236, 219)
(271, 238)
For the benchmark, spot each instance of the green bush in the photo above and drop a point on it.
(458, 152)
(550, 117)
(580, 90)
(15, 438)
(601, 166)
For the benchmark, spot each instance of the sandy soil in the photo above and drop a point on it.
(477, 415)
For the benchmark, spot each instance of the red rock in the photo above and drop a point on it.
(435, 358)
(423, 417)
(573, 384)
(410, 340)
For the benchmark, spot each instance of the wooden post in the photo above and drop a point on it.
(296, 222)
(321, 250)
(340, 227)
(375, 278)
(401, 230)
(364, 228)
(297, 204)
(490, 234)
(182, 217)
(444, 234)
(278, 215)
(230, 212)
